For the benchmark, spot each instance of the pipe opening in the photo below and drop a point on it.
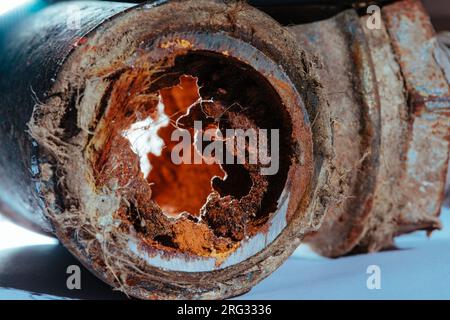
(203, 208)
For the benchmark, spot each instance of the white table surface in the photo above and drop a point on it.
(33, 267)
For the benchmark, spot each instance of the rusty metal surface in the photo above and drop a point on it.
(405, 192)
(380, 227)
(414, 98)
(444, 41)
(415, 45)
(348, 79)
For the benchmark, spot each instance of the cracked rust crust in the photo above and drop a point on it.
(84, 207)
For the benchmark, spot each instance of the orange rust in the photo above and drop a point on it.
(181, 43)
(196, 237)
(128, 99)
(192, 181)
(211, 217)
(114, 160)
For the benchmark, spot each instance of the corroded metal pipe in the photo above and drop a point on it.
(363, 118)
(389, 97)
(71, 95)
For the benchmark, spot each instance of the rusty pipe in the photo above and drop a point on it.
(356, 117)
(77, 175)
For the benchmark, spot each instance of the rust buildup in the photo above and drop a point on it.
(193, 181)
(203, 209)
